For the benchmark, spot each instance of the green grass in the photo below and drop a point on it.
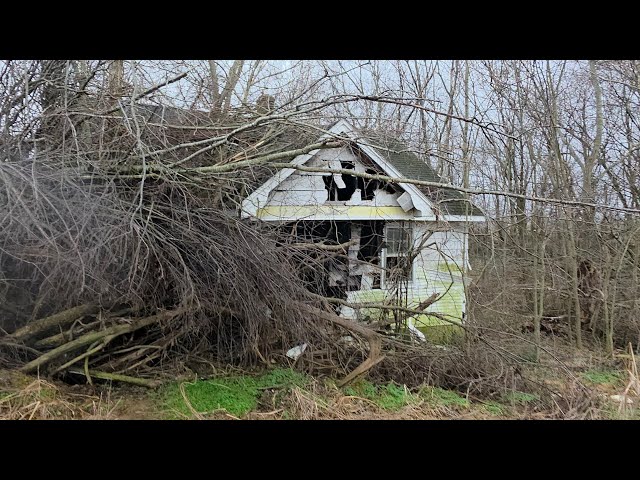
(521, 398)
(392, 397)
(599, 377)
(495, 408)
(440, 396)
(237, 394)
(388, 396)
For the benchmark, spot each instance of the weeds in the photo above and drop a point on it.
(600, 377)
(41, 400)
(447, 398)
(495, 408)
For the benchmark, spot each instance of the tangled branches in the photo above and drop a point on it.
(112, 264)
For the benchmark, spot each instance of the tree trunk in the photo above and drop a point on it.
(573, 269)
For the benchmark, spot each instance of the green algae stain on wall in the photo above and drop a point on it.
(449, 267)
(438, 330)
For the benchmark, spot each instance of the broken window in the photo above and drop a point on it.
(367, 186)
(349, 188)
(398, 244)
(341, 187)
(371, 236)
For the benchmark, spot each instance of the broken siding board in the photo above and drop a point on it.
(382, 197)
(405, 201)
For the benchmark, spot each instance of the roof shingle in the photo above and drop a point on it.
(451, 202)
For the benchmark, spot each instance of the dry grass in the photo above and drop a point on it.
(42, 400)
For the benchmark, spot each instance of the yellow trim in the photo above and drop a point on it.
(348, 211)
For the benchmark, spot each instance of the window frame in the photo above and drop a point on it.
(402, 226)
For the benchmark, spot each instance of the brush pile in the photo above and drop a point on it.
(96, 280)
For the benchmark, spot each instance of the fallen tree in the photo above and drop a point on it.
(122, 250)
(116, 282)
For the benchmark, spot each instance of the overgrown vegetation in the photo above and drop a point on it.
(237, 394)
(388, 396)
(447, 398)
(123, 257)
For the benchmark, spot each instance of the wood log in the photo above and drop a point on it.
(92, 337)
(119, 378)
(41, 327)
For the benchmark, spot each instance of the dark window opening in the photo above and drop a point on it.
(341, 188)
(368, 186)
(332, 188)
(354, 282)
(371, 235)
(397, 269)
(388, 188)
(350, 183)
(376, 280)
(358, 268)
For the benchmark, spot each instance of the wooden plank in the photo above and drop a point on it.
(384, 198)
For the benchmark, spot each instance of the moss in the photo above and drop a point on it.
(388, 396)
(283, 377)
(236, 394)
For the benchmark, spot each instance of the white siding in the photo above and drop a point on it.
(308, 188)
(438, 268)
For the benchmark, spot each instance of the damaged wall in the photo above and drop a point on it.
(436, 268)
(339, 208)
(327, 195)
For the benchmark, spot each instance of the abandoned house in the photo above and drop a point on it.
(404, 243)
(400, 243)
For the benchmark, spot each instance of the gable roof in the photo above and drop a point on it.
(395, 160)
(451, 202)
